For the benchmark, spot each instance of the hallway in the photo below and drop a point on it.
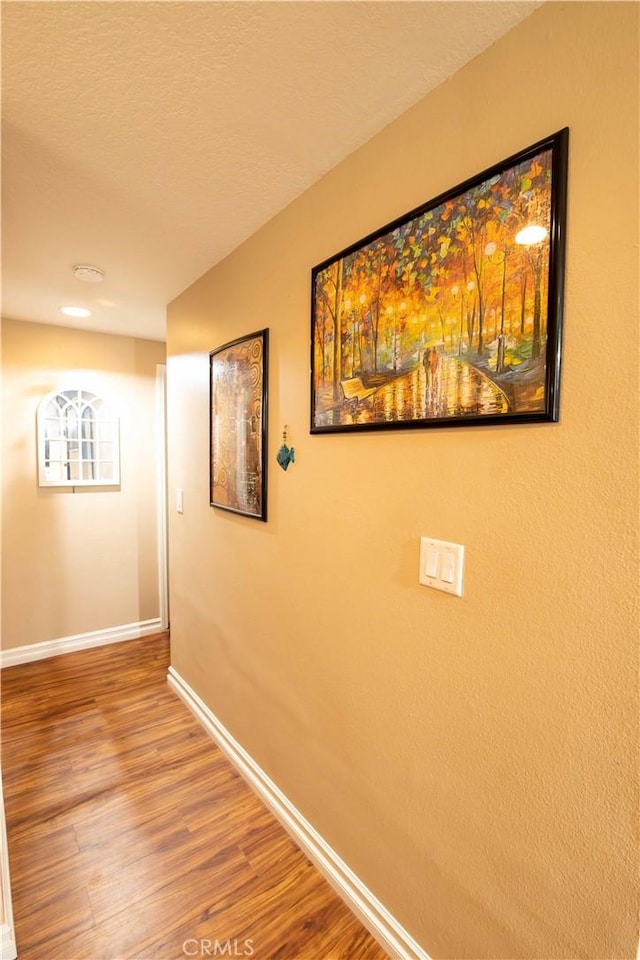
(131, 835)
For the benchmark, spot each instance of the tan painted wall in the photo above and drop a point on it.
(472, 760)
(84, 561)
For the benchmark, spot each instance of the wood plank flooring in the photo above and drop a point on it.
(132, 836)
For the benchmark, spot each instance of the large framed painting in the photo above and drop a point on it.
(452, 314)
(238, 425)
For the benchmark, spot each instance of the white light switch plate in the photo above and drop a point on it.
(441, 565)
(179, 500)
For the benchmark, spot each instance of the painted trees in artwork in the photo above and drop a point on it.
(463, 278)
(330, 305)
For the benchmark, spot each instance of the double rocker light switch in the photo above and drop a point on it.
(441, 565)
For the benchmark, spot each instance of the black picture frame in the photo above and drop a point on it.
(443, 317)
(238, 380)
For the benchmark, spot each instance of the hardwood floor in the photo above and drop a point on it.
(131, 835)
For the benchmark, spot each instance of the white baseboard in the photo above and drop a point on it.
(8, 950)
(81, 641)
(375, 917)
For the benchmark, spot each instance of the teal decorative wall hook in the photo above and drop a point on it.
(285, 454)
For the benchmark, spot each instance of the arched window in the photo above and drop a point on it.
(78, 441)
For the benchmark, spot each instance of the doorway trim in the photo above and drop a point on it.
(161, 489)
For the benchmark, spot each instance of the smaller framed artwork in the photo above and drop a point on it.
(238, 425)
(451, 315)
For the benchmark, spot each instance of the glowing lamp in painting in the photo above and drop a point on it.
(531, 235)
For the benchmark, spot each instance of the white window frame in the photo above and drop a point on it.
(57, 428)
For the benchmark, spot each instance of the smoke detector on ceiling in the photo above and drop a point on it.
(88, 274)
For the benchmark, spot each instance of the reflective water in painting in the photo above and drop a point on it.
(447, 387)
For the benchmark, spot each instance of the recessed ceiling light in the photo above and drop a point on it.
(88, 273)
(75, 311)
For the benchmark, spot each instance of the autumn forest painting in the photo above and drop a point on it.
(447, 317)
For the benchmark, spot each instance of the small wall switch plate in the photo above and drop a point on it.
(441, 565)
(179, 501)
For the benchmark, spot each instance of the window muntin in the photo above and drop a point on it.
(78, 441)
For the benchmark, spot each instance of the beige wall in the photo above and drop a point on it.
(472, 760)
(83, 561)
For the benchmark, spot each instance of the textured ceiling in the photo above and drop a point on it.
(151, 138)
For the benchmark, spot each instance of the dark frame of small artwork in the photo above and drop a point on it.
(451, 315)
(238, 425)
